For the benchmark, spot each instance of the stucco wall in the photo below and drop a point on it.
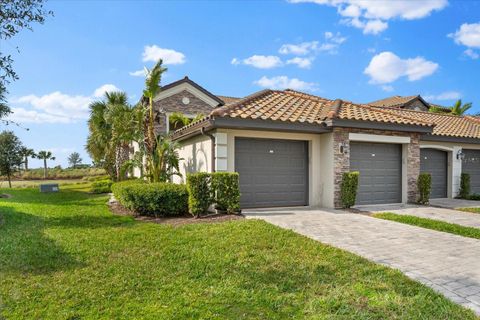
(196, 155)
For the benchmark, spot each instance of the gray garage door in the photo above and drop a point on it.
(435, 162)
(380, 167)
(471, 165)
(272, 172)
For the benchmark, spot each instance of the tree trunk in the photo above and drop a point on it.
(44, 168)
(9, 180)
(26, 164)
(122, 155)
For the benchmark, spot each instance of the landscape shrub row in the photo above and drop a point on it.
(58, 173)
(101, 186)
(152, 199)
(220, 189)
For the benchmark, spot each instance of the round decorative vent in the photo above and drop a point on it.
(186, 100)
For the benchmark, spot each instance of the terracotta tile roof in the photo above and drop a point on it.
(294, 106)
(395, 101)
(228, 100)
(445, 124)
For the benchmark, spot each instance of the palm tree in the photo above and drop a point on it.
(459, 109)
(179, 120)
(152, 88)
(45, 155)
(27, 153)
(113, 125)
(165, 160)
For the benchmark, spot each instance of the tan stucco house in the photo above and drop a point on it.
(291, 148)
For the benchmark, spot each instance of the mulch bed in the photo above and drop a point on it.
(5, 195)
(118, 209)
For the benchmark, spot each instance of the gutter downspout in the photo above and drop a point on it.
(212, 138)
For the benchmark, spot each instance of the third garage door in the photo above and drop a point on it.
(435, 162)
(380, 167)
(471, 165)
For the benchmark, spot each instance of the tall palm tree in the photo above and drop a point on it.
(459, 108)
(45, 155)
(113, 125)
(27, 153)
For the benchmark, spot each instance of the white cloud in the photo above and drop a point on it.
(447, 95)
(169, 56)
(387, 88)
(471, 53)
(370, 15)
(386, 67)
(260, 61)
(138, 73)
(299, 49)
(105, 88)
(468, 35)
(331, 45)
(283, 82)
(55, 107)
(303, 63)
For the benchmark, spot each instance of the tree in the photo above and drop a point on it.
(10, 155)
(459, 108)
(179, 120)
(74, 159)
(27, 153)
(113, 125)
(165, 160)
(16, 15)
(45, 155)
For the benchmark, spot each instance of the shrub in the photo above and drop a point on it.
(101, 186)
(153, 199)
(464, 186)
(349, 188)
(225, 187)
(199, 192)
(473, 196)
(424, 185)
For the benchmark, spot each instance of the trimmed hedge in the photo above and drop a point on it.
(101, 186)
(226, 190)
(424, 185)
(464, 191)
(349, 188)
(200, 195)
(152, 199)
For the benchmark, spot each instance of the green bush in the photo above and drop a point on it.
(200, 195)
(473, 196)
(96, 178)
(152, 199)
(464, 186)
(226, 191)
(101, 186)
(348, 188)
(424, 185)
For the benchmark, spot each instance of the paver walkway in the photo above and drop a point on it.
(448, 263)
(448, 215)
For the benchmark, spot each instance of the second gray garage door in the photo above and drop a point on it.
(380, 167)
(435, 162)
(273, 173)
(471, 165)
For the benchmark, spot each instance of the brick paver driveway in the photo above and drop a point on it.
(447, 263)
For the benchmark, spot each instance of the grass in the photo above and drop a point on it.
(36, 183)
(472, 210)
(65, 256)
(431, 224)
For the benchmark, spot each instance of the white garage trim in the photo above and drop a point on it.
(378, 138)
(435, 146)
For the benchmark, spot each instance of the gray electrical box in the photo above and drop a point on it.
(49, 187)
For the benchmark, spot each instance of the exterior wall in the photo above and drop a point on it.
(416, 105)
(410, 159)
(196, 155)
(320, 182)
(454, 164)
(174, 103)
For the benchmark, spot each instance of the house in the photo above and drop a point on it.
(292, 148)
(416, 103)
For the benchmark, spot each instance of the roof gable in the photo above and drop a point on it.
(192, 87)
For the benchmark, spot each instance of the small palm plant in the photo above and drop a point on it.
(459, 108)
(165, 160)
(45, 155)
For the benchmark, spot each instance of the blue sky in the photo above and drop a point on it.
(359, 51)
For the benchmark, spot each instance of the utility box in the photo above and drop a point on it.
(49, 187)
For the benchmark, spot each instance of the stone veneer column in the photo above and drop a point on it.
(341, 161)
(221, 154)
(413, 167)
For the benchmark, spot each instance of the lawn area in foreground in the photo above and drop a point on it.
(472, 210)
(431, 224)
(65, 256)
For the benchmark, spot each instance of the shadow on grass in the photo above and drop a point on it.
(25, 248)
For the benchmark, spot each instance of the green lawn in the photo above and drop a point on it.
(36, 183)
(473, 210)
(431, 224)
(65, 256)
